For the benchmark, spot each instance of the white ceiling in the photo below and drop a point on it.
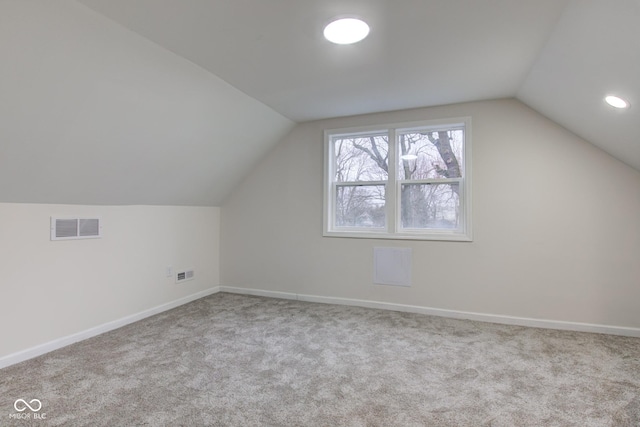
(594, 50)
(560, 57)
(174, 101)
(419, 52)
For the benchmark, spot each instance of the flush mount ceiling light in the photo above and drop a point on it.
(346, 30)
(616, 101)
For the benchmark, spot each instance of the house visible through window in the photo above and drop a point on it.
(408, 181)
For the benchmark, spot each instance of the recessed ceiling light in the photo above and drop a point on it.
(346, 31)
(616, 101)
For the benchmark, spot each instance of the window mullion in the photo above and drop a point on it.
(359, 183)
(390, 189)
(432, 181)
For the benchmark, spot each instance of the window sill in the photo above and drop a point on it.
(443, 236)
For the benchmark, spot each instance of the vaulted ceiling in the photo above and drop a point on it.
(559, 57)
(192, 92)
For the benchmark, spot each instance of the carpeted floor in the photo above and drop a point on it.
(232, 360)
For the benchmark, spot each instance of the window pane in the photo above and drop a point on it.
(430, 206)
(361, 158)
(430, 154)
(360, 206)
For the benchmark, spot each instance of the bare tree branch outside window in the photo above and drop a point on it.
(361, 160)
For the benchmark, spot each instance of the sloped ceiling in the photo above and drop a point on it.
(91, 113)
(173, 102)
(594, 50)
(419, 53)
(559, 57)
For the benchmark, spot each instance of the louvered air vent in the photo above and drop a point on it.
(75, 228)
(183, 276)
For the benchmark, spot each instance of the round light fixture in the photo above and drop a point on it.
(616, 101)
(346, 31)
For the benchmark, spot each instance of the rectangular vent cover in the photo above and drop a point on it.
(183, 276)
(75, 228)
(392, 266)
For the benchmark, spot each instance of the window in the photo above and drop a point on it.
(407, 181)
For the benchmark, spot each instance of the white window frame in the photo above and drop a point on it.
(393, 227)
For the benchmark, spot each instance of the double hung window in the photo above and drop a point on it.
(408, 181)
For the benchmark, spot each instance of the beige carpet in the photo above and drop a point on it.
(231, 360)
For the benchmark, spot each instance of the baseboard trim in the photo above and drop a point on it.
(454, 314)
(41, 349)
(47, 347)
(259, 293)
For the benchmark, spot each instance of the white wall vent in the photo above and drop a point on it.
(75, 228)
(183, 276)
(392, 266)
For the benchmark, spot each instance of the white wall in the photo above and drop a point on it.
(52, 289)
(555, 220)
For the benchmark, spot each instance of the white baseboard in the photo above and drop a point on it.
(259, 292)
(38, 350)
(41, 349)
(482, 317)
